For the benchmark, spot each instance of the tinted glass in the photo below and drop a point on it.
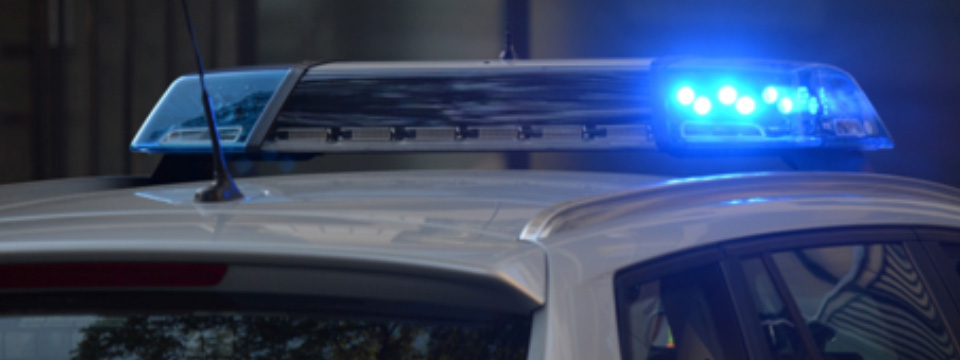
(953, 253)
(779, 329)
(602, 96)
(679, 317)
(865, 302)
(342, 334)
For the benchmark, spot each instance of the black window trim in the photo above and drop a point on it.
(665, 266)
(763, 246)
(907, 236)
(758, 346)
(745, 308)
(939, 264)
(922, 245)
(931, 238)
(825, 237)
(788, 301)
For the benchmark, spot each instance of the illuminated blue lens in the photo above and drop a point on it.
(785, 105)
(813, 106)
(702, 105)
(746, 105)
(727, 95)
(761, 104)
(769, 95)
(685, 96)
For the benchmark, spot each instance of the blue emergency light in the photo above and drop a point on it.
(725, 103)
(667, 104)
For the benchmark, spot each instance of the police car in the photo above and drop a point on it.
(494, 264)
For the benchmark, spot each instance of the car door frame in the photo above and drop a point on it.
(919, 252)
(666, 266)
(931, 240)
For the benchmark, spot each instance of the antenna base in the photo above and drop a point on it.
(218, 192)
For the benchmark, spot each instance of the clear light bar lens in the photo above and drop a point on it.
(766, 104)
(178, 124)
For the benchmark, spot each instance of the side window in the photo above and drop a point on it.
(685, 315)
(857, 302)
(776, 323)
(953, 253)
(948, 263)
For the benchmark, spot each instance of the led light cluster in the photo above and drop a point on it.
(727, 95)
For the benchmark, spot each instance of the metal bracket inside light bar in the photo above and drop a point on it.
(463, 139)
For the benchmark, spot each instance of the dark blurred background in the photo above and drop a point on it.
(77, 77)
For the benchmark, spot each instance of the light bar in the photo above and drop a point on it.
(763, 104)
(666, 104)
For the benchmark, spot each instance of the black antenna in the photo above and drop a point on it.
(223, 188)
(516, 20)
(508, 53)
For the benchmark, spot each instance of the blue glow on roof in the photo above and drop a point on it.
(706, 178)
(178, 124)
(753, 200)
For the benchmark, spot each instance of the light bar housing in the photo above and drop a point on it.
(762, 104)
(519, 106)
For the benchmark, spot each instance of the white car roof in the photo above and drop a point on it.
(454, 222)
(485, 223)
(382, 208)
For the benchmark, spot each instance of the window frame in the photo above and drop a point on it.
(922, 247)
(670, 265)
(776, 278)
(931, 240)
(764, 246)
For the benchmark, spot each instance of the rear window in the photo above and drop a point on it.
(233, 328)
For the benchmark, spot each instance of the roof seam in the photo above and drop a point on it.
(575, 214)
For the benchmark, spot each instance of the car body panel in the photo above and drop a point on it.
(468, 225)
(442, 222)
(583, 261)
(21, 193)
